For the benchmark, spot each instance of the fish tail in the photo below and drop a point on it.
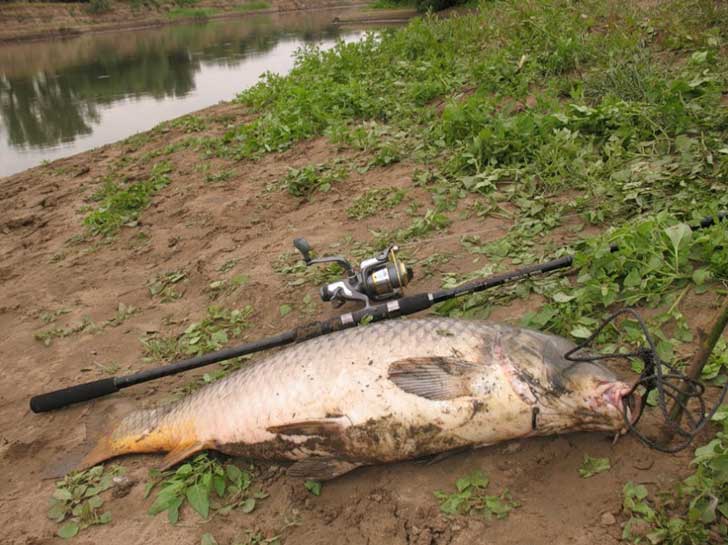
(150, 430)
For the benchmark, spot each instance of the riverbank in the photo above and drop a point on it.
(479, 143)
(39, 20)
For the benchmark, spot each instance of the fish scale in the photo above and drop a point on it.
(378, 393)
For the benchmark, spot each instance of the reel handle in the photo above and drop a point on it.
(304, 247)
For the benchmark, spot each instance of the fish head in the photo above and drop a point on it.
(568, 395)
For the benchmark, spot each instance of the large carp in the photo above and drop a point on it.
(380, 393)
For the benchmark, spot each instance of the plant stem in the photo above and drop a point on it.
(707, 344)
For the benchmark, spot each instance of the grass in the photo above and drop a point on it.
(77, 504)
(204, 484)
(209, 334)
(121, 203)
(198, 14)
(305, 181)
(554, 120)
(253, 5)
(470, 498)
(373, 202)
(393, 4)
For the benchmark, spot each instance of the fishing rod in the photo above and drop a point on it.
(376, 280)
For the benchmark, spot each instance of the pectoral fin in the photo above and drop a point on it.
(320, 468)
(433, 378)
(322, 427)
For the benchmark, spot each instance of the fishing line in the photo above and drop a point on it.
(667, 381)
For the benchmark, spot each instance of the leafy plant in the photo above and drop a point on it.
(204, 484)
(76, 501)
(304, 181)
(470, 498)
(210, 334)
(121, 204)
(593, 466)
(373, 201)
(314, 487)
(161, 285)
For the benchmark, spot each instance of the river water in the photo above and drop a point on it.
(58, 98)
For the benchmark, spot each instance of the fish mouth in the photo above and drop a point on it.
(620, 398)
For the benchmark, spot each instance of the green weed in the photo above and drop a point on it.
(593, 466)
(210, 334)
(252, 5)
(470, 498)
(304, 181)
(46, 336)
(162, 286)
(121, 204)
(227, 286)
(374, 201)
(392, 4)
(199, 14)
(77, 502)
(204, 484)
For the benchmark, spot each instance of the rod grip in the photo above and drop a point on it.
(73, 394)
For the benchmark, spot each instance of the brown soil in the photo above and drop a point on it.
(197, 227)
(36, 20)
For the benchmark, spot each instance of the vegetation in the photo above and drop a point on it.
(593, 466)
(553, 120)
(210, 334)
(199, 14)
(76, 502)
(121, 203)
(204, 484)
(470, 498)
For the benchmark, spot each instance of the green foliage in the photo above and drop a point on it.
(204, 484)
(95, 7)
(373, 201)
(212, 333)
(392, 4)
(304, 181)
(76, 501)
(291, 265)
(470, 498)
(593, 466)
(121, 204)
(199, 14)
(656, 259)
(436, 5)
(253, 5)
(46, 336)
(162, 285)
(227, 286)
(698, 507)
(314, 487)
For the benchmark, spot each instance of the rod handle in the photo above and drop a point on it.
(73, 394)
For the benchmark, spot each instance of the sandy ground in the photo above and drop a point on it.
(197, 227)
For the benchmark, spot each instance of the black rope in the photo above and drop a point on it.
(664, 379)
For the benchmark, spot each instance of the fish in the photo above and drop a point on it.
(379, 393)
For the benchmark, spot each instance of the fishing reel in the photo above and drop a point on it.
(378, 278)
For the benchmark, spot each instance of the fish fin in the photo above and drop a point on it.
(442, 456)
(435, 378)
(180, 452)
(97, 443)
(321, 427)
(320, 468)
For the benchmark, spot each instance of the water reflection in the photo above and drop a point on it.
(58, 98)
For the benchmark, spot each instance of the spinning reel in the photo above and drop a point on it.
(378, 278)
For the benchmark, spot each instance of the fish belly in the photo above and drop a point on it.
(334, 396)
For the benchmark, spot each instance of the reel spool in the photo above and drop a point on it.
(378, 278)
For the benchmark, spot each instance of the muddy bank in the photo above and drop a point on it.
(37, 21)
(216, 220)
